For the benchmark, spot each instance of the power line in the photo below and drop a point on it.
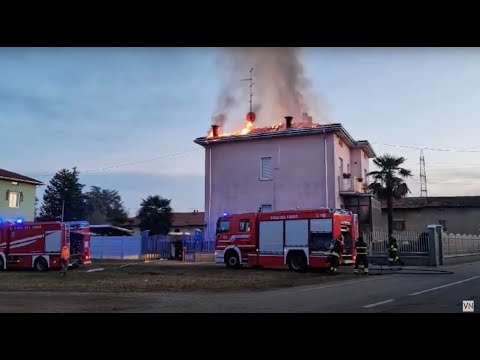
(438, 182)
(455, 164)
(427, 148)
(138, 162)
(129, 164)
(189, 151)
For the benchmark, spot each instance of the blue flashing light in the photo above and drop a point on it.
(19, 221)
(225, 213)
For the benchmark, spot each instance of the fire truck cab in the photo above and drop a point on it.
(300, 239)
(37, 245)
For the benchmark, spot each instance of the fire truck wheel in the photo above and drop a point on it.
(40, 264)
(2, 264)
(231, 259)
(297, 261)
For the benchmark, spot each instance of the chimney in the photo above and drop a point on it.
(289, 121)
(215, 130)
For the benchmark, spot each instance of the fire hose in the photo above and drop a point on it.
(387, 270)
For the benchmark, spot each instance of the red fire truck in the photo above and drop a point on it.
(300, 239)
(37, 245)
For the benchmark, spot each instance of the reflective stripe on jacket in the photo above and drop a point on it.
(361, 250)
(393, 248)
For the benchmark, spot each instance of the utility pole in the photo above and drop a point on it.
(423, 176)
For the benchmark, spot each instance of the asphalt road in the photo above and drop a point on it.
(388, 293)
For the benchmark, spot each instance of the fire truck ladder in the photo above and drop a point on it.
(67, 233)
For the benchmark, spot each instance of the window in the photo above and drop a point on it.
(365, 175)
(320, 241)
(244, 225)
(348, 168)
(320, 234)
(266, 168)
(266, 208)
(444, 224)
(13, 199)
(223, 226)
(399, 225)
(340, 167)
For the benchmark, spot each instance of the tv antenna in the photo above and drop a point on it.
(251, 88)
(423, 176)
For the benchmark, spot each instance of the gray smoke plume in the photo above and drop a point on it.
(281, 86)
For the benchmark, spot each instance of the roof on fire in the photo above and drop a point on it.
(274, 132)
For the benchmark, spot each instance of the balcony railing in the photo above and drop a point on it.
(351, 185)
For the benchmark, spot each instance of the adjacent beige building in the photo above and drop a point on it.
(457, 214)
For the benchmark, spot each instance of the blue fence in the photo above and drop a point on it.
(115, 247)
(146, 247)
(175, 247)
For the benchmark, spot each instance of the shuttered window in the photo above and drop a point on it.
(266, 168)
(14, 199)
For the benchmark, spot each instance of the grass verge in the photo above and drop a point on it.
(162, 276)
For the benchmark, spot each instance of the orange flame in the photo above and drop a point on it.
(249, 127)
(246, 130)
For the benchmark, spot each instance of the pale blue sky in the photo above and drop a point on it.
(94, 108)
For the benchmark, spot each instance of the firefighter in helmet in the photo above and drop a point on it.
(393, 252)
(336, 250)
(362, 257)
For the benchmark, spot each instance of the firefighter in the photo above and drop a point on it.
(362, 257)
(64, 259)
(393, 252)
(336, 250)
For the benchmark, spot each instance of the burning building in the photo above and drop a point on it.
(249, 128)
(293, 164)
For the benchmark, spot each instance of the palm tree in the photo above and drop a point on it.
(155, 214)
(389, 183)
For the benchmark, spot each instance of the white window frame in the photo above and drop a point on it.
(11, 199)
(262, 178)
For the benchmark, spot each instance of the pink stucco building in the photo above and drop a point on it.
(286, 167)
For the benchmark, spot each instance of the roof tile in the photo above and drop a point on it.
(179, 219)
(435, 202)
(9, 175)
